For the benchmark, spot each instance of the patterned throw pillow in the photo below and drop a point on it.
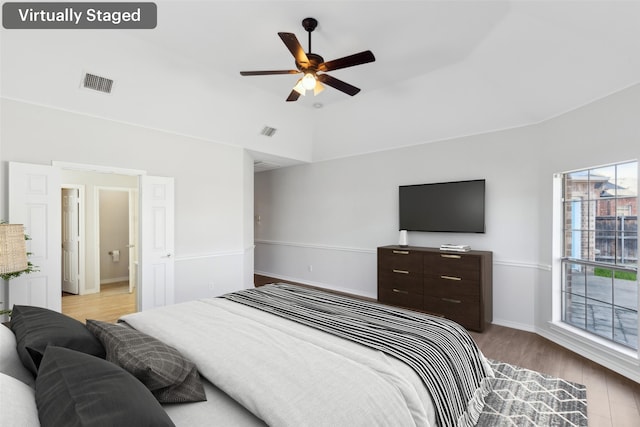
(170, 376)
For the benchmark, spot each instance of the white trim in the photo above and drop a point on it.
(505, 263)
(514, 325)
(316, 246)
(603, 352)
(114, 280)
(95, 168)
(521, 264)
(317, 284)
(205, 255)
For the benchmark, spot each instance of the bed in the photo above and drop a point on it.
(279, 355)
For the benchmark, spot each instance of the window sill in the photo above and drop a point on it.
(621, 353)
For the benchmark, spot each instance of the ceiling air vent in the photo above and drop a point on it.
(101, 84)
(268, 131)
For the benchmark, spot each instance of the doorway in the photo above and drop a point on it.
(99, 244)
(34, 200)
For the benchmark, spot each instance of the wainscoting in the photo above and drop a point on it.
(354, 271)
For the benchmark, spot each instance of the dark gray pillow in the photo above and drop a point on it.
(75, 389)
(36, 328)
(170, 376)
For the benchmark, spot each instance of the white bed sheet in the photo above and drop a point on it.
(218, 410)
(170, 324)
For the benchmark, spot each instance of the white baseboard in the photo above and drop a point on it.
(114, 280)
(514, 325)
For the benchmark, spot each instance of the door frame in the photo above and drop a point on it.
(119, 171)
(81, 235)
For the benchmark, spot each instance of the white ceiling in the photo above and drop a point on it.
(443, 69)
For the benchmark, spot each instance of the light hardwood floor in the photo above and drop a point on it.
(612, 400)
(113, 301)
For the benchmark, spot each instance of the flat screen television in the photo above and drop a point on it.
(456, 207)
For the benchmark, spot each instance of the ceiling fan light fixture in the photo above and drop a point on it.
(309, 81)
(317, 88)
(299, 87)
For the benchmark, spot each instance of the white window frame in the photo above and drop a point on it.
(579, 335)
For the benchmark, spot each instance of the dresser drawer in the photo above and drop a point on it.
(465, 313)
(399, 297)
(459, 266)
(451, 286)
(400, 260)
(407, 282)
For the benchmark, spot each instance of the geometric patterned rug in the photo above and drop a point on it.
(522, 397)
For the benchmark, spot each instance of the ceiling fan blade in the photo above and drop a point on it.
(348, 61)
(295, 48)
(266, 73)
(338, 84)
(293, 96)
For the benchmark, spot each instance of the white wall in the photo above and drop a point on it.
(114, 235)
(210, 182)
(332, 215)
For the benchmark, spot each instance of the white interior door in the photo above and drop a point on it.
(70, 241)
(156, 242)
(34, 200)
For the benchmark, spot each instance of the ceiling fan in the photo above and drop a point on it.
(310, 64)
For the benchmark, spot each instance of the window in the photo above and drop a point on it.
(600, 251)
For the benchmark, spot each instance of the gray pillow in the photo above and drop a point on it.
(75, 389)
(170, 376)
(37, 327)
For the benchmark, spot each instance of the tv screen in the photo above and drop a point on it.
(445, 207)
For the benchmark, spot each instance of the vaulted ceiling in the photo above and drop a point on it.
(443, 69)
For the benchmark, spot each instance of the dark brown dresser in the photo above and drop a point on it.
(455, 285)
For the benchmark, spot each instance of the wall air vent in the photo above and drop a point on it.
(94, 82)
(268, 131)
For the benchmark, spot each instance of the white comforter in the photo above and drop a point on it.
(288, 374)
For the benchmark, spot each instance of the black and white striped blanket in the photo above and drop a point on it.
(440, 351)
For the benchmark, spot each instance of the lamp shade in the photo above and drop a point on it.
(309, 81)
(13, 248)
(300, 88)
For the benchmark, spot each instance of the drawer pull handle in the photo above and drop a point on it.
(451, 278)
(455, 301)
(451, 256)
(401, 252)
(401, 271)
(400, 291)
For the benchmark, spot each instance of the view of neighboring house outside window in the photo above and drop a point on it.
(600, 251)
